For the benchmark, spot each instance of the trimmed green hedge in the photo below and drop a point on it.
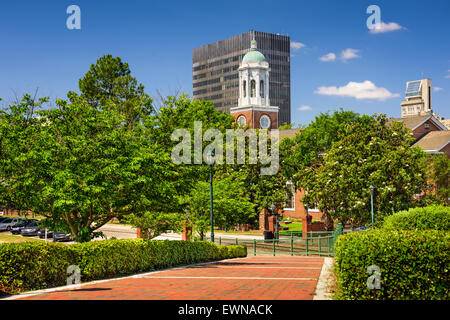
(426, 218)
(32, 265)
(413, 264)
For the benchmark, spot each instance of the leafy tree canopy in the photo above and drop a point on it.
(110, 80)
(309, 146)
(379, 155)
(231, 205)
(82, 164)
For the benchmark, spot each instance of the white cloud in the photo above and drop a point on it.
(436, 89)
(383, 27)
(359, 90)
(349, 53)
(304, 108)
(297, 45)
(328, 57)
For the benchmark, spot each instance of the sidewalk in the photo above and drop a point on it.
(250, 278)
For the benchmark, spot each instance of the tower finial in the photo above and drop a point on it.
(253, 44)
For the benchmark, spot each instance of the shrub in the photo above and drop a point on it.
(31, 266)
(413, 264)
(426, 218)
(110, 258)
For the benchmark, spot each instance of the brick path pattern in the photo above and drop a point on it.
(250, 278)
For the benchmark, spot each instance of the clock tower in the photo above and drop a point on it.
(254, 109)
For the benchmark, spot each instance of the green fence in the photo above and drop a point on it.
(317, 243)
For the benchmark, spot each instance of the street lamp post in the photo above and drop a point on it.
(276, 221)
(211, 160)
(371, 201)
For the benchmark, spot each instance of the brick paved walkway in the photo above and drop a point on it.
(252, 278)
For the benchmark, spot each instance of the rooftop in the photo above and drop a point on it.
(411, 122)
(414, 121)
(289, 133)
(434, 141)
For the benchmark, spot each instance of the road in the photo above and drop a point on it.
(121, 231)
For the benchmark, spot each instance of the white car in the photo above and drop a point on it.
(8, 223)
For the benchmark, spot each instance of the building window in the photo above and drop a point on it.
(261, 88)
(252, 88)
(264, 122)
(290, 203)
(244, 86)
(242, 121)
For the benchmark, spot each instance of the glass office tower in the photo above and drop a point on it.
(215, 70)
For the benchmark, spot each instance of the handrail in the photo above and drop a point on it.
(320, 244)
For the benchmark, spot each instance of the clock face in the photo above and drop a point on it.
(264, 122)
(241, 121)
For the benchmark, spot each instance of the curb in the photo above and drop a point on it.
(325, 278)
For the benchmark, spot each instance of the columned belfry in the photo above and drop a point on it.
(254, 109)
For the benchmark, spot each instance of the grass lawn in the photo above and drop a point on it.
(10, 238)
(16, 216)
(294, 226)
(231, 231)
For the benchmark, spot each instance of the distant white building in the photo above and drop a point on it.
(418, 98)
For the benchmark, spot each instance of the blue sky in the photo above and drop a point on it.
(156, 38)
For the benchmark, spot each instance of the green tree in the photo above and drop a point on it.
(379, 155)
(19, 135)
(179, 113)
(261, 190)
(305, 153)
(109, 82)
(153, 224)
(231, 205)
(438, 166)
(82, 164)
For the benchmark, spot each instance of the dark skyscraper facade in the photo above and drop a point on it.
(215, 70)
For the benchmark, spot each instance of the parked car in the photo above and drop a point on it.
(7, 224)
(41, 234)
(21, 224)
(363, 228)
(30, 229)
(62, 237)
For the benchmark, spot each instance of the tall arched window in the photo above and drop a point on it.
(252, 89)
(244, 87)
(261, 88)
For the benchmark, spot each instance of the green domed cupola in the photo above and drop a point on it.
(253, 55)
